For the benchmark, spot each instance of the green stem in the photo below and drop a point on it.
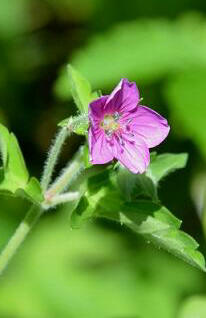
(18, 237)
(67, 176)
(52, 157)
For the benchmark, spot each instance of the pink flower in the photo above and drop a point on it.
(124, 130)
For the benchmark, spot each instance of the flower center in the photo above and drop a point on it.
(110, 123)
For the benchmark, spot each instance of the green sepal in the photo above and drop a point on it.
(76, 124)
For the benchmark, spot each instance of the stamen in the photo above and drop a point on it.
(121, 141)
(110, 124)
(116, 116)
(129, 120)
(108, 132)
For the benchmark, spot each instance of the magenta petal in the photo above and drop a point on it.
(115, 90)
(129, 131)
(124, 97)
(98, 147)
(96, 108)
(134, 155)
(149, 125)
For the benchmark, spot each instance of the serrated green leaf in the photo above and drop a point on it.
(162, 229)
(164, 164)
(151, 220)
(164, 215)
(157, 225)
(80, 89)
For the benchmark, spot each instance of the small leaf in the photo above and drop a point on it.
(16, 164)
(80, 89)
(4, 140)
(14, 176)
(15, 171)
(164, 164)
(33, 189)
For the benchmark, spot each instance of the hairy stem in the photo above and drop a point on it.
(18, 237)
(60, 199)
(52, 158)
(67, 176)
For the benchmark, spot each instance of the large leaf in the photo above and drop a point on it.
(146, 218)
(161, 228)
(144, 50)
(186, 95)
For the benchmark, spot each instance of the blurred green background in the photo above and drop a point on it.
(103, 270)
